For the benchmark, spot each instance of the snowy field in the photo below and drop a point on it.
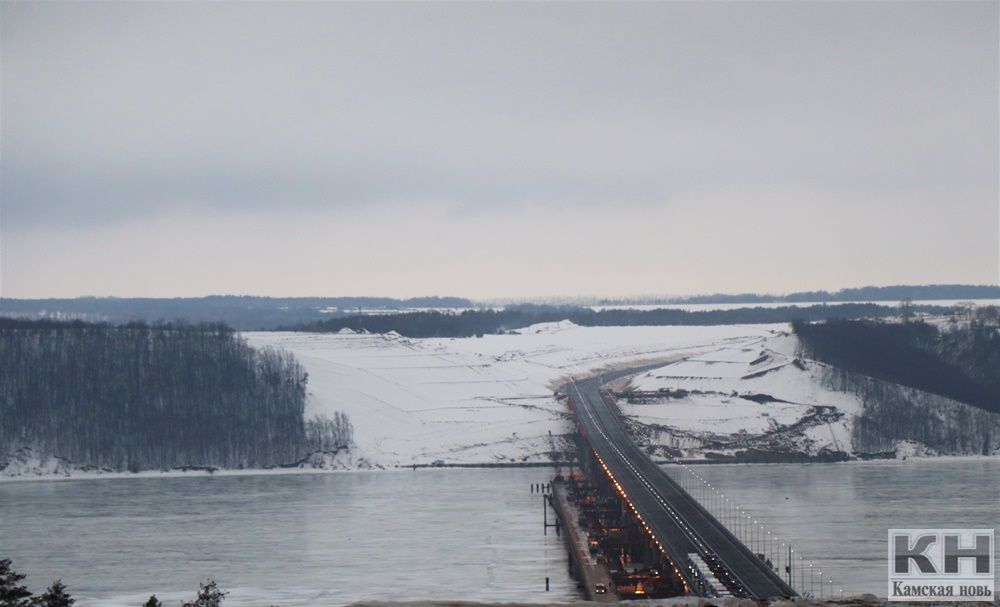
(476, 400)
(753, 394)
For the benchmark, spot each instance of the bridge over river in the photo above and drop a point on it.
(675, 521)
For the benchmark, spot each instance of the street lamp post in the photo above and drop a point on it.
(791, 563)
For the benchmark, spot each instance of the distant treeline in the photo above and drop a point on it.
(137, 396)
(481, 322)
(242, 313)
(252, 313)
(888, 293)
(962, 363)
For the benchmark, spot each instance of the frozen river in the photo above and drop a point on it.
(328, 539)
(839, 515)
(316, 539)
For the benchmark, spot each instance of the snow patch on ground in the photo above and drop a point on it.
(25, 463)
(906, 449)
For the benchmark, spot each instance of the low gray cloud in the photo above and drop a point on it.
(124, 112)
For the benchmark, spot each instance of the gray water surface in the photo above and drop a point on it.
(838, 515)
(315, 539)
(329, 539)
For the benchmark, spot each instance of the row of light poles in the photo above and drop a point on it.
(761, 540)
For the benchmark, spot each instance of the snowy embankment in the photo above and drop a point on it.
(475, 400)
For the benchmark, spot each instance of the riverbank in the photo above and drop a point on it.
(866, 600)
(23, 466)
(65, 471)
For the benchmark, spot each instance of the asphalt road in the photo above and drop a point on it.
(678, 522)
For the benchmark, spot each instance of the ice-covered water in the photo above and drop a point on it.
(317, 539)
(838, 515)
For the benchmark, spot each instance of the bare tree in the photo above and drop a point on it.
(906, 309)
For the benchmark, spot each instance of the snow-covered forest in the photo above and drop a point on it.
(138, 397)
(916, 382)
(958, 363)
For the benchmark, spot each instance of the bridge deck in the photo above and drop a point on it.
(678, 523)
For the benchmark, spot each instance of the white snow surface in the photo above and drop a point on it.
(477, 400)
(718, 384)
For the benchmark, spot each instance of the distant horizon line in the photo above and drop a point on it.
(591, 299)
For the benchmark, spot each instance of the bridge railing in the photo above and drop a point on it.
(803, 574)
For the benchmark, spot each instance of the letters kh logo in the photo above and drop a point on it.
(941, 565)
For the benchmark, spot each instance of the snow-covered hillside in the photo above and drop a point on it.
(724, 391)
(755, 395)
(476, 400)
(760, 400)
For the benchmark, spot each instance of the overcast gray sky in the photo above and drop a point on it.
(505, 149)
